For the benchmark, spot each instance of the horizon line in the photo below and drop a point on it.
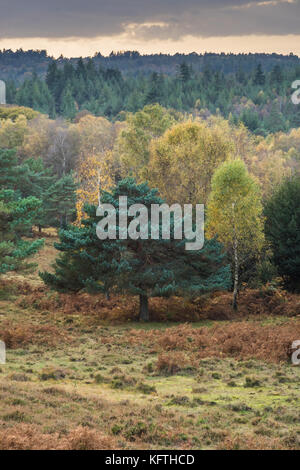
(141, 54)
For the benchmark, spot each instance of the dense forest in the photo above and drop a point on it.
(20, 64)
(238, 88)
(62, 165)
(132, 61)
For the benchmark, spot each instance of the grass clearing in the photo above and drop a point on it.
(74, 380)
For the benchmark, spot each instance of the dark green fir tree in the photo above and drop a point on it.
(282, 229)
(259, 76)
(141, 267)
(68, 107)
(17, 216)
(59, 202)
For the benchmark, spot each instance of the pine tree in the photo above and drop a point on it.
(16, 219)
(55, 82)
(59, 202)
(295, 115)
(35, 180)
(154, 93)
(68, 107)
(80, 69)
(282, 228)
(241, 76)
(221, 89)
(184, 72)
(85, 261)
(9, 170)
(276, 76)
(275, 121)
(142, 267)
(17, 214)
(52, 76)
(28, 179)
(11, 91)
(250, 119)
(259, 77)
(20, 208)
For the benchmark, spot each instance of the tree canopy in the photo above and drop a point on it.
(143, 267)
(282, 229)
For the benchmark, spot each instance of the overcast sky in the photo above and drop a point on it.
(75, 28)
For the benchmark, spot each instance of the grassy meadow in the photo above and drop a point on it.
(81, 373)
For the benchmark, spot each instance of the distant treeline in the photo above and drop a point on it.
(259, 98)
(21, 64)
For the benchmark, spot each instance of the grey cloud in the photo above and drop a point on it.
(91, 18)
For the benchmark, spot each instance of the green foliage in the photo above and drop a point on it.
(17, 213)
(16, 218)
(14, 112)
(235, 215)
(184, 159)
(59, 202)
(282, 229)
(184, 72)
(235, 208)
(276, 76)
(148, 268)
(259, 78)
(9, 171)
(68, 107)
(155, 89)
(233, 86)
(28, 179)
(35, 94)
(133, 143)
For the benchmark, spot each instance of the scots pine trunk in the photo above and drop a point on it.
(144, 308)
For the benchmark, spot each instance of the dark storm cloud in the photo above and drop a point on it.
(160, 19)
